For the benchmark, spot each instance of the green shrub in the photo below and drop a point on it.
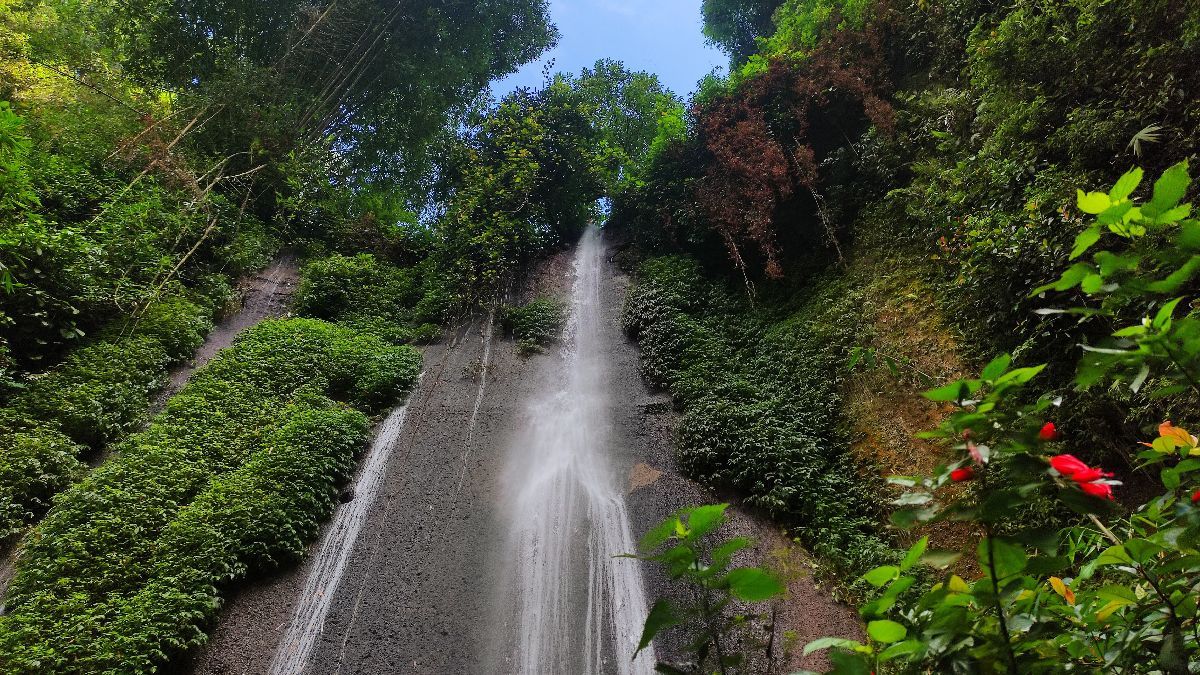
(99, 394)
(35, 465)
(534, 324)
(127, 569)
(399, 304)
(760, 401)
(339, 286)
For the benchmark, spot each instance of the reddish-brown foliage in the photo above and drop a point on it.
(757, 137)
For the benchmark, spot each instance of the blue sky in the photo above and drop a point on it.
(659, 36)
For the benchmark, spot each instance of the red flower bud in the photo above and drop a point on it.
(1196, 496)
(962, 474)
(1101, 490)
(1068, 465)
(1088, 478)
(1048, 432)
(1089, 474)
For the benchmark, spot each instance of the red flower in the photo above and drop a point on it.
(1089, 475)
(962, 474)
(1068, 465)
(1088, 478)
(1097, 489)
(1049, 432)
(1196, 496)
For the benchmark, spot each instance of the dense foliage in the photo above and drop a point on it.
(535, 324)
(759, 393)
(100, 393)
(233, 477)
(1115, 597)
(950, 138)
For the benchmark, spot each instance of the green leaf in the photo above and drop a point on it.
(753, 584)
(848, 663)
(955, 391)
(906, 648)
(704, 519)
(996, 367)
(659, 534)
(1070, 278)
(1021, 375)
(722, 554)
(881, 575)
(662, 616)
(940, 559)
(1141, 550)
(1169, 189)
(1009, 559)
(914, 553)
(1126, 184)
(1162, 320)
(829, 643)
(1178, 278)
(1092, 202)
(1114, 555)
(885, 631)
(1085, 240)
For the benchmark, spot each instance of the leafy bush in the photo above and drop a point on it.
(35, 464)
(371, 293)
(534, 324)
(126, 570)
(99, 394)
(760, 402)
(1111, 594)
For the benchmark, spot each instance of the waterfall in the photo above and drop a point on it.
(578, 607)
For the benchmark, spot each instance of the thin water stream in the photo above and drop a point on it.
(579, 607)
(329, 564)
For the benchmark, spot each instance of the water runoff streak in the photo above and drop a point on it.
(578, 608)
(329, 563)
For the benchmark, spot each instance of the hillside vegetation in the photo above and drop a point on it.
(880, 198)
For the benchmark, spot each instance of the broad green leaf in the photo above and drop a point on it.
(1162, 320)
(940, 559)
(1009, 559)
(1114, 555)
(829, 643)
(885, 631)
(1085, 240)
(1070, 278)
(906, 648)
(722, 554)
(914, 553)
(753, 584)
(1092, 202)
(996, 367)
(847, 663)
(659, 534)
(704, 519)
(1020, 375)
(1126, 184)
(662, 616)
(955, 391)
(1141, 550)
(880, 576)
(1169, 189)
(1172, 282)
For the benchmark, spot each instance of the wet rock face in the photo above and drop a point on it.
(346, 495)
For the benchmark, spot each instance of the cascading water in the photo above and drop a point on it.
(578, 608)
(329, 563)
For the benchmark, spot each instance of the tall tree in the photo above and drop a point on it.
(733, 25)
